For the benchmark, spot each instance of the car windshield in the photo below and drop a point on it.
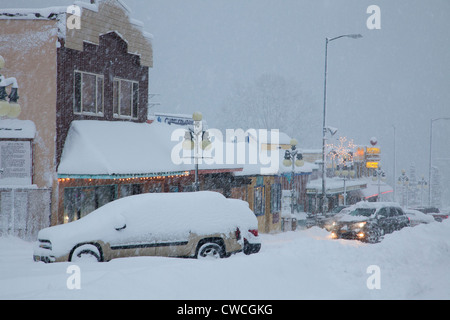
(362, 212)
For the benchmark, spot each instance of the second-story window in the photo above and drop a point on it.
(125, 98)
(88, 97)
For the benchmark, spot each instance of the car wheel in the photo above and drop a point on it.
(373, 236)
(86, 252)
(210, 250)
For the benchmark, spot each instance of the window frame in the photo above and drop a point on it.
(259, 205)
(275, 197)
(134, 95)
(100, 112)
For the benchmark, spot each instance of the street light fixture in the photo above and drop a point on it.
(12, 108)
(379, 175)
(429, 163)
(346, 174)
(404, 181)
(324, 127)
(197, 138)
(293, 158)
(422, 184)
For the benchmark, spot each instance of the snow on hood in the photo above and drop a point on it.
(154, 215)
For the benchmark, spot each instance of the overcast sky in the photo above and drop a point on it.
(396, 76)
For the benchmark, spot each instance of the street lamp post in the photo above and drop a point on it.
(429, 162)
(324, 127)
(422, 184)
(293, 158)
(379, 175)
(196, 138)
(346, 174)
(404, 181)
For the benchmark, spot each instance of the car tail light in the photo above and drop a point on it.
(254, 232)
(238, 234)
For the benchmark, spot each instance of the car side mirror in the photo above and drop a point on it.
(119, 222)
(120, 228)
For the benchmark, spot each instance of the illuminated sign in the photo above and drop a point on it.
(372, 150)
(372, 165)
(359, 154)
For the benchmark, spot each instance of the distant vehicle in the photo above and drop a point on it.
(433, 211)
(337, 209)
(369, 221)
(417, 217)
(192, 224)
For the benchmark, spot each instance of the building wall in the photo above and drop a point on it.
(268, 221)
(111, 16)
(29, 49)
(111, 60)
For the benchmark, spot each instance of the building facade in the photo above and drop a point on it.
(98, 71)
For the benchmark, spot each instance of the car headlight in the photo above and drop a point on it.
(359, 225)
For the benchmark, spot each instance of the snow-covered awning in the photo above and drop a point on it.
(335, 185)
(117, 149)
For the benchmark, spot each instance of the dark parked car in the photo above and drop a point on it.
(369, 221)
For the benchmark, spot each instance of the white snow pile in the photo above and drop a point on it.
(170, 216)
(413, 264)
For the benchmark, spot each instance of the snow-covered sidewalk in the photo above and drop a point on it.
(413, 263)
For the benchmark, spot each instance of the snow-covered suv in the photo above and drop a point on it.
(369, 221)
(197, 224)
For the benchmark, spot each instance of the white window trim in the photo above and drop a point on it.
(118, 115)
(98, 113)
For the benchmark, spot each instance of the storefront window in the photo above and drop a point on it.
(80, 201)
(130, 189)
(259, 201)
(275, 197)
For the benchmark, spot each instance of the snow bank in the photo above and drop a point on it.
(414, 264)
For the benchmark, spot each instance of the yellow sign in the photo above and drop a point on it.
(372, 165)
(373, 151)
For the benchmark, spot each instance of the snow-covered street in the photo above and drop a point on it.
(412, 263)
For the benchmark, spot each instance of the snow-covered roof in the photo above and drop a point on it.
(17, 129)
(270, 162)
(126, 148)
(59, 13)
(335, 185)
(33, 13)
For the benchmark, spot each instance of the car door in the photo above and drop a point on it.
(384, 219)
(400, 218)
(131, 237)
(173, 244)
